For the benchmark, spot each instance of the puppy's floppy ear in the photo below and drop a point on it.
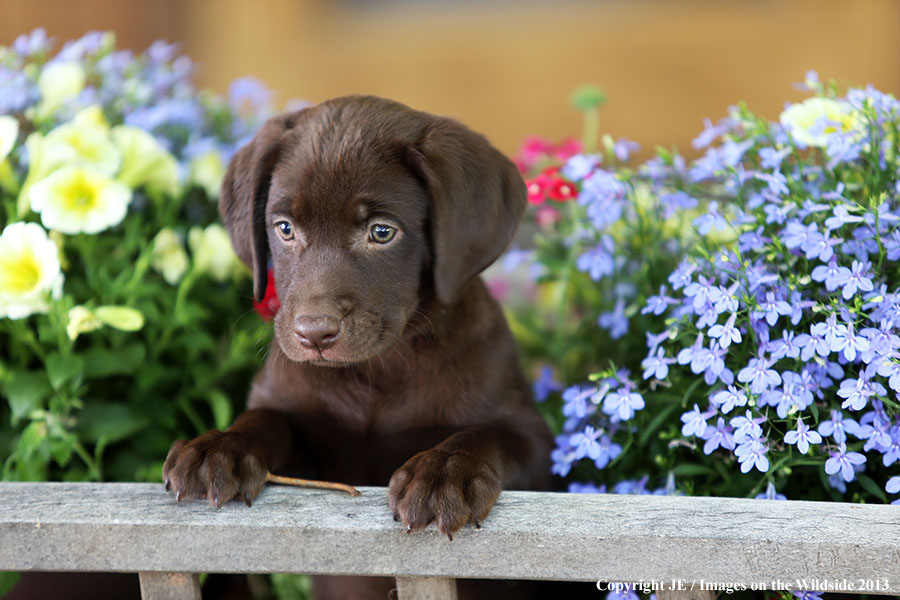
(477, 199)
(245, 191)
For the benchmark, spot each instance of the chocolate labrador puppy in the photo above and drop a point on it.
(391, 363)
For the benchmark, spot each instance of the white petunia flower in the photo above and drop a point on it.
(79, 200)
(29, 270)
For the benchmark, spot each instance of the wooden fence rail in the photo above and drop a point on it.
(687, 544)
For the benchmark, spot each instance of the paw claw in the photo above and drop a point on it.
(178, 496)
(445, 488)
(247, 499)
(168, 485)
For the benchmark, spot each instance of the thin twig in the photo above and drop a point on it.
(310, 483)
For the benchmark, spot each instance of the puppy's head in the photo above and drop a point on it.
(365, 208)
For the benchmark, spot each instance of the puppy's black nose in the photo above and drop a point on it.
(318, 332)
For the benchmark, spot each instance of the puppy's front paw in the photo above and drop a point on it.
(217, 465)
(449, 488)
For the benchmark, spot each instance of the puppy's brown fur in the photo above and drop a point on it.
(391, 362)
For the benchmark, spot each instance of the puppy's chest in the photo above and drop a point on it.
(389, 405)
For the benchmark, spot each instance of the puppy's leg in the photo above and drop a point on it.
(458, 481)
(231, 464)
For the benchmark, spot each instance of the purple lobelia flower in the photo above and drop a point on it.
(598, 261)
(729, 398)
(747, 427)
(657, 365)
(545, 384)
(856, 392)
(832, 274)
(893, 485)
(623, 402)
(576, 399)
(771, 493)
(838, 427)
(843, 462)
(579, 166)
(803, 436)
(752, 453)
(758, 374)
(726, 334)
(713, 219)
(615, 320)
(695, 421)
(771, 308)
(657, 305)
(697, 356)
(718, 436)
(855, 279)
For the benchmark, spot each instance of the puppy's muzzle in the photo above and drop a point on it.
(317, 332)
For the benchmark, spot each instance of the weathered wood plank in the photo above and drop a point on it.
(138, 527)
(426, 588)
(170, 586)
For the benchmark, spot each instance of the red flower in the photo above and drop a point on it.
(549, 184)
(560, 190)
(535, 191)
(270, 302)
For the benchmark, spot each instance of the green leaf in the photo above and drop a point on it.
(221, 408)
(25, 391)
(115, 422)
(31, 439)
(62, 368)
(688, 469)
(7, 581)
(870, 486)
(661, 417)
(61, 449)
(122, 361)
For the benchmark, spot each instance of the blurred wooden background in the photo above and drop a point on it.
(507, 67)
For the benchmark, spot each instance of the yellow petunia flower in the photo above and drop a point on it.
(212, 252)
(9, 132)
(29, 270)
(58, 83)
(169, 258)
(79, 200)
(144, 161)
(207, 171)
(81, 320)
(123, 318)
(84, 320)
(84, 141)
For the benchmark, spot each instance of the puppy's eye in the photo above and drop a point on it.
(381, 233)
(285, 230)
